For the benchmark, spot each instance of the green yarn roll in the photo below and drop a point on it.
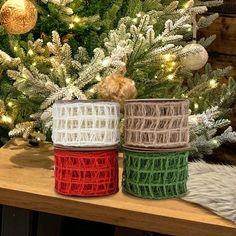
(155, 175)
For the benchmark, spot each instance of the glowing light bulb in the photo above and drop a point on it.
(170, 77)
(34, 64)
(98, 78)
(214, 141)
(10, 104)
(71, 25)
(30, 52)
(6, 119)
(68, 80)
(213, 83)
(196, 106)
(15, 48)
(92, 90)
(77, 19)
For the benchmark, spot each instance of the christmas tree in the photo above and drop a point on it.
(88, 49)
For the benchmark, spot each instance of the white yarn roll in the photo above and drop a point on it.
(86, 123)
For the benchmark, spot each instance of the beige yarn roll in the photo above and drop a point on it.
(156, 123)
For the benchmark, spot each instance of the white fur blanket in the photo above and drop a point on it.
(214, 187)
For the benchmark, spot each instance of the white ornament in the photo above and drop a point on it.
(196, 56)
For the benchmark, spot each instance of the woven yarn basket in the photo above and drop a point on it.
(156, 123)
(155, 175)
(86, 123)
(86, 174)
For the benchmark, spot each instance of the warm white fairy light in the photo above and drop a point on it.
(68, 80)
(34, 64)
(170, 77)
(213, 83)
(214, 141)
(6, 119)
(15, 48)
(77, 19)
(71, 25)
(98, 78)
(10, 104)
(196, 106)
(30, 52)
(92, 90)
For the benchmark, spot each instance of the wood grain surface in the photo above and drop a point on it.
(27, 181)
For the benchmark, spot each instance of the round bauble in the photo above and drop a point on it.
(195, 57)
(118, 88)
(18, 16)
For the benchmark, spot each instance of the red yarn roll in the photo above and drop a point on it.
(86, 174)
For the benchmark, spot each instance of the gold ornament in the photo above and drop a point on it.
(117, 87)
(18, 16)
(2, 107)
(195, 60)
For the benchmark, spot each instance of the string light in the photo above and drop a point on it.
(98, 78)
(214, 141)
(30, 52)
(71, 25)
(92, 90)
(15, 48)
(34, 64)
(6, 119)
(213, 83)
(170, 77)
(10, 104)
(68, 80)
(77, 19)
(196, 106)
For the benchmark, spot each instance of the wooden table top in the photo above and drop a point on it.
(26, 181)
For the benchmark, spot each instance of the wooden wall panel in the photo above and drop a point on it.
(225, 30)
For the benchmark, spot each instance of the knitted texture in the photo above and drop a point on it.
(86, 123)
(86, 174)
(156, 123)
(155, 175)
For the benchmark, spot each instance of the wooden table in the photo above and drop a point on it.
(26, 181)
